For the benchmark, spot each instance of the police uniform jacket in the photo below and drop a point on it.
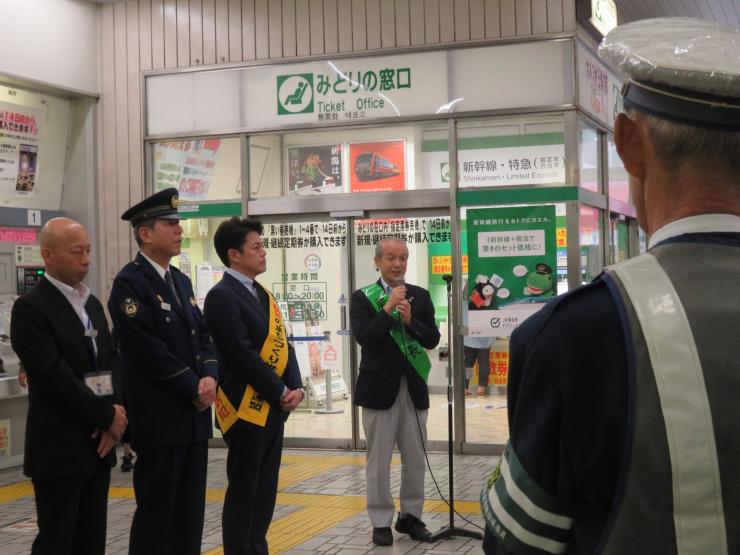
(239, 324)
(571, 403)
(63, 412)
(166, 349)
(382, 363)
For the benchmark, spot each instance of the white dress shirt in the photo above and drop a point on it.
(705, 223)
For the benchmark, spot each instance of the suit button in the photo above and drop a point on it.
(197, 358)
(192, 332)
(167, 319)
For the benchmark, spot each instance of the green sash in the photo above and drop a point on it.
(410, 347)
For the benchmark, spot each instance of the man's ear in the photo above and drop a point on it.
(629, 138)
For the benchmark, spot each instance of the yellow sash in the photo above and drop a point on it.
(253, 408)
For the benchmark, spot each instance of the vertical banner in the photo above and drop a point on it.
(512, 265)
(315, 169)
(378, 166)
(19, 148)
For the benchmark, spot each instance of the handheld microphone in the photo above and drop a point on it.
(401, 282)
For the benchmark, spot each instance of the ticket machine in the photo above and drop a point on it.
(13, 397)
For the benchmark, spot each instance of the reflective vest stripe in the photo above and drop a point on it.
(697, 494)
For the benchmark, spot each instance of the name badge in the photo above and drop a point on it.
(101, 383)
(92, 332)
(165, 306)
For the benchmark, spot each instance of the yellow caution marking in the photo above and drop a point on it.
(11, 492)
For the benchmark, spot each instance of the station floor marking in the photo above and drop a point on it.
(316, 514)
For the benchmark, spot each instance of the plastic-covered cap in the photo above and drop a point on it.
(687, 53)
(682, 69)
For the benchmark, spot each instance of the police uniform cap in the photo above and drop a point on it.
(162, 204)
(682, 69)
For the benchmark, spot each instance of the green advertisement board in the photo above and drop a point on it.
(512, 261)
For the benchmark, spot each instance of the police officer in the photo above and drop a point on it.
(171, 374)
(623, 412)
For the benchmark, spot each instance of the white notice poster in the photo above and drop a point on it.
(19, 148)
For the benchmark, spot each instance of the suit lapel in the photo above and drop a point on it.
(246, 295)
(60, 302)
(160, 287)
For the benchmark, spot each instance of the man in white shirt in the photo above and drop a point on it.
(60, 334)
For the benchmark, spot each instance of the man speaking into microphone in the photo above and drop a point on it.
(393, 322)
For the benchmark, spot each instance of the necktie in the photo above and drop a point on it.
(256, 293)
(168, 279)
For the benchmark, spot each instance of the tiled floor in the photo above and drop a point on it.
(320, 506)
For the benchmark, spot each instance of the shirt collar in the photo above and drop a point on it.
(241, 278)
(704, 223)
(384, 284)
(80, 293)
(160, 270)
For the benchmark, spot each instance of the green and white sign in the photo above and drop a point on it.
(511, 266)
(497, 161)
(357, 89)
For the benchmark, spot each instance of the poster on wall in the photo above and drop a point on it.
(315, 170)
(187, 166)
(377, 166)
(19, 148)
(512, 261)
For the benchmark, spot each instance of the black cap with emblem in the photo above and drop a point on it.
(162, 204)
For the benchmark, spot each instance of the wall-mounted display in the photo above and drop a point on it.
(315, 170)
(377, 166)
(19, 148)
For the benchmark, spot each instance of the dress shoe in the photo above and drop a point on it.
(382, 536)
(414, 527)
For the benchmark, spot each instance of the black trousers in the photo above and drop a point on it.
(72, 513)
(170, 489)
(252, 467)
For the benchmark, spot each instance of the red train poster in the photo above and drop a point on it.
(377, 166)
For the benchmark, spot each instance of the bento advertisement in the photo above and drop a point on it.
(512, 266)
(377, 166)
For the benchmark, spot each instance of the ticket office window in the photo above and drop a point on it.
(374, 159)
(201, 169)
(592, 260)
(588, 157)
(496, 280)
(618, 177)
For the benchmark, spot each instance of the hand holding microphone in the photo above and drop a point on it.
(403, 304)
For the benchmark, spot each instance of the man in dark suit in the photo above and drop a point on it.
(60, 334)
(260, 385)
(394, 322)
(171, 371)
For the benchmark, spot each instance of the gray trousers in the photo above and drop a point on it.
(383, 430)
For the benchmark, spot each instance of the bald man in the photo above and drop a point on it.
(59, 331)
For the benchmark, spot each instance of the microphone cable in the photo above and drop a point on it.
(423, 442)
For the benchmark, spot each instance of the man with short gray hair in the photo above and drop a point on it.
(393, 322)
(623, 412)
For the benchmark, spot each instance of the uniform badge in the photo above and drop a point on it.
(193, 302)
(130, 307)
(174, 201)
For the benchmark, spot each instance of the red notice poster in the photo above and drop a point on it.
(379, 166)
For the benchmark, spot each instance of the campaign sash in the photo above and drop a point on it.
(410, 347)
(253, 407)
